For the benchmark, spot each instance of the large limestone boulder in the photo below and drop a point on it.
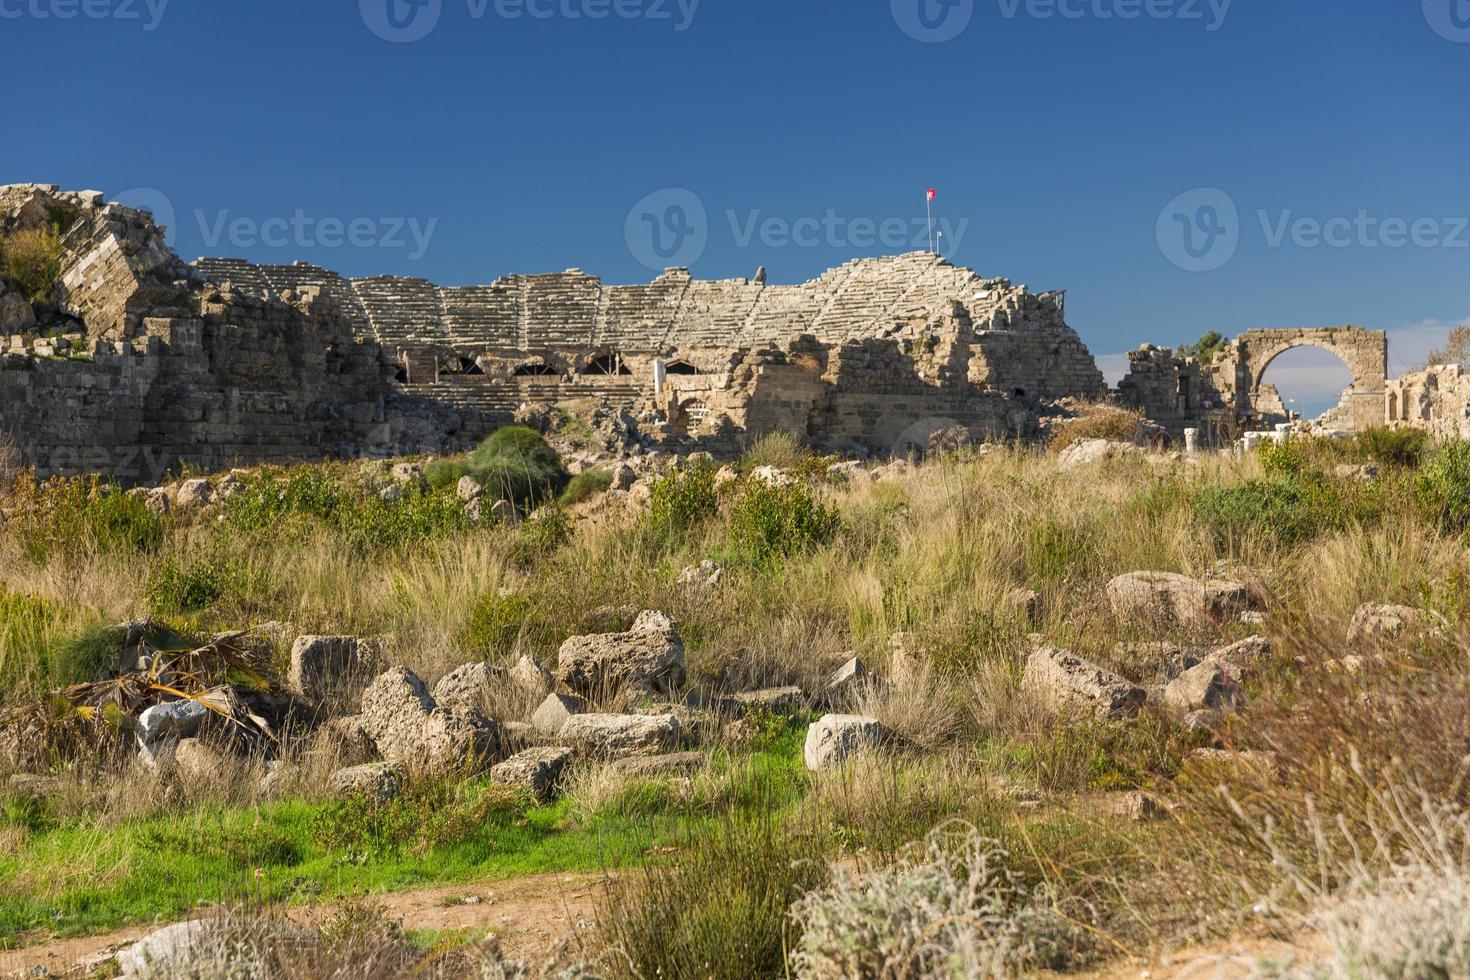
(1167, 598)
(648, 657)
(833, 739)
(324, 666)
(407, 725)
(469, 686)
(218, 947)
(537, 770)
(532, 678)
(1067, 682)
(380, 781)
(1086, 452)
(193, 494)
(616, 736)
(1204, 686)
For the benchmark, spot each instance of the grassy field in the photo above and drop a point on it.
(912, 568)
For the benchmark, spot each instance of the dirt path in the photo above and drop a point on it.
(530, 915)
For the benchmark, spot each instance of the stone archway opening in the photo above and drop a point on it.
(1306, 382)
(1364, 353)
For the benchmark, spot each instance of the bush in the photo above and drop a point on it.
(32, 260)
(302, 501)
(45, 646)
(516, 464)
(495, 623)
(178, 586)
(73, 516)
(954, 910)
(1288, 509)
(717, 909)
(445, 474)
(585, 486)
(683, 499)
(1289, 457)
(1099, 421)
(1391, 447)
(769, 523)
(778, 449)
(429, 813)
(1442, 487)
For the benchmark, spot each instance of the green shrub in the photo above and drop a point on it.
(1442, 487)
(718, 909)
(444, 474)
(779, 449)
(769, 523)
(516, 464)
(1288, 509)
(1289, 457)
(303, 501)
(81, 514)
(1391, 447)
(427, 814)
(495, 623)
(683, 499)
(32, 260)
(179, 586)
(585, 486)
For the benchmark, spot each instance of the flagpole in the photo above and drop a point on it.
(929, 212)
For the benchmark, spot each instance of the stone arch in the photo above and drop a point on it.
(1365, 352)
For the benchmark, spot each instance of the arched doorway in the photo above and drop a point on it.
(1364, 353)
(1304, 382)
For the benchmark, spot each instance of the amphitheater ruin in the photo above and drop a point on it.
(142, 361)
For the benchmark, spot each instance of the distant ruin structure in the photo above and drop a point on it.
(136, 361)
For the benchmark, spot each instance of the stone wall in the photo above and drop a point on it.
(1436, 398)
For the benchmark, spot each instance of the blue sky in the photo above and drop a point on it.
(1074, 143)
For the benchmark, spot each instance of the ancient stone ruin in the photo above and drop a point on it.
(140, 361)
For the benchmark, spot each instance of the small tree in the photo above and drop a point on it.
(1205, 349)
(32, 259)
(1456, 349)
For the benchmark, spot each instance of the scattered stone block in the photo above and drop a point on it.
(469, 685)
(531, 677)
(1208, 686)
(554, 712)
(833, 739)
(616, 736)
(777, 700)
(846, 683)
(171, 720)
(324, 666)
(1374, 621)
(1168, 599)
(648, 657)
(381, 781)
(1067, 682)
(538, 771)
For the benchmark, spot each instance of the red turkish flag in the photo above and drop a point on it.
(933, 193)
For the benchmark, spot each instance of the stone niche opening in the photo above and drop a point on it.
(538, 370)
(607, 365)
(682, 368)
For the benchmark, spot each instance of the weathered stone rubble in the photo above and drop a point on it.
(649, 657)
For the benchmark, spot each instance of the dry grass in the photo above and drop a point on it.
(934, 552)
(1099, 420)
